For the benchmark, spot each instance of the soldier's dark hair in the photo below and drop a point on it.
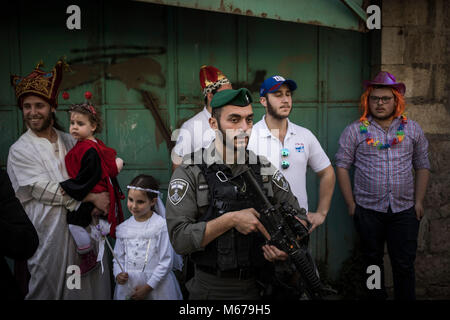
(146, 182)
(216, 113)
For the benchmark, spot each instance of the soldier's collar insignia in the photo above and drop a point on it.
(280, 181)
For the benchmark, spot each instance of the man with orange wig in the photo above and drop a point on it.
(386, 203)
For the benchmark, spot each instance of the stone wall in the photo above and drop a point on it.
(415, 47)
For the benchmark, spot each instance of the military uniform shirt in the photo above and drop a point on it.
(188, 198)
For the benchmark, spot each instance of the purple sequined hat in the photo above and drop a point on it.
(385, 79)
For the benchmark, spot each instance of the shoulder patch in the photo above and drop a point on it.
(280, 181)
(177, 190)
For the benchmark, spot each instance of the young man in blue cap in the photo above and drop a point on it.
(291, 148)
(210, 216)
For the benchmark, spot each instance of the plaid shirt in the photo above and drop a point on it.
(384, 177)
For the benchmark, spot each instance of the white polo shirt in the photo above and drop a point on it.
(195, 133)
(304, 149)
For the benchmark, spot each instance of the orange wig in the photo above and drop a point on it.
(399, 107)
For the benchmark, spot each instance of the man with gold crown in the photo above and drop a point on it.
(36, 167)
(386, 203)
(196, 133)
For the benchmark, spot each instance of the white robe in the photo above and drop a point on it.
(137, 241)
(32, 159)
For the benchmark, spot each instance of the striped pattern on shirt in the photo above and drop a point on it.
(383, 178)
(49, 193)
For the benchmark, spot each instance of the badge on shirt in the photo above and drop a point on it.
(280, 181)
(299, 147)
(177, 190)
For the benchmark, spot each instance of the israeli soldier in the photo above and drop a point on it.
(209, 215)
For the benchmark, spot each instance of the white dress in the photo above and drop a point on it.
(144, 251)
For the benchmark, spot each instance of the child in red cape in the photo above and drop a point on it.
(93, 168)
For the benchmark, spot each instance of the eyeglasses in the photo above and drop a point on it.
(285, 153)
(375, 99)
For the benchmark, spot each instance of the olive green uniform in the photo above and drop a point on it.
(188, 200)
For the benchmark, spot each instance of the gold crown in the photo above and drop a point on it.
(39, 82)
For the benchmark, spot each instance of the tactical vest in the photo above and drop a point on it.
(231, 250)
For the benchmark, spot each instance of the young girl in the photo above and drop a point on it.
(93, 168)
(144, 257)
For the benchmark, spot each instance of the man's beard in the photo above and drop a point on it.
(45, 125)
(235, 153)
(229, 142)
(273, 113)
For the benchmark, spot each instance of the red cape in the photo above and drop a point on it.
(109, 170)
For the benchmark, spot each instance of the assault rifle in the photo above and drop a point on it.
(288, 235)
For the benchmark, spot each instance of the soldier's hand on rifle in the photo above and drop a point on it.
(272, 253)
(246, 221)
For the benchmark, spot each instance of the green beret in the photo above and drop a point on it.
(240, 97)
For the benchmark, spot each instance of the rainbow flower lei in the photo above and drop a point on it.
(377, 144)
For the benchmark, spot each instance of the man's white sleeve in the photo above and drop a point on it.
(318, 159)
(49, 193)
(184, 141)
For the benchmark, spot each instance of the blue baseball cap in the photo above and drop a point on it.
(274, 83)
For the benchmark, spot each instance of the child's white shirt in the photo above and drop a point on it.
(149, 240)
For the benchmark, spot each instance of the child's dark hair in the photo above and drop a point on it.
(93, 114)
(146, 182)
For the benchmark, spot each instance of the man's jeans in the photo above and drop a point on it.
(400, 231)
